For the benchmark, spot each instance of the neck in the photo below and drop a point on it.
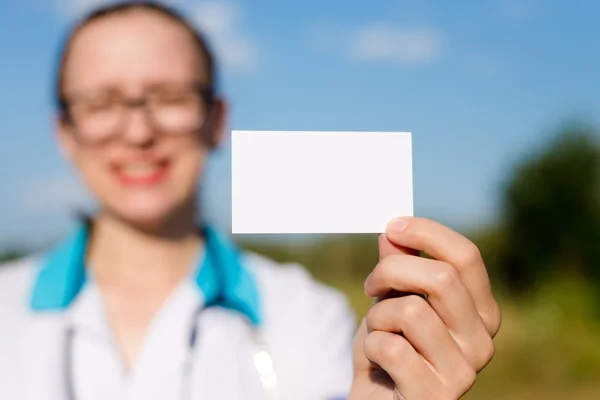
(122, 253)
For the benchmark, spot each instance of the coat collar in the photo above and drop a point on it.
(220, 275)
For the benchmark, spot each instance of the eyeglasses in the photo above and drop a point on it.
(172, 110)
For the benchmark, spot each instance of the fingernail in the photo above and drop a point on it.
(397, 225)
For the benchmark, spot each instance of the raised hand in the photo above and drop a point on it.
(431, 329)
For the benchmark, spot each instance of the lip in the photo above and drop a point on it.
(156, 174)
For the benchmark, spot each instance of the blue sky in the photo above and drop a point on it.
(480, 84)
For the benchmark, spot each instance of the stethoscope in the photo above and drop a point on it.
(262, 360)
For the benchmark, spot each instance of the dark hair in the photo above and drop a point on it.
(120, 7)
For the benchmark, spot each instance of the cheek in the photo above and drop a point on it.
(188, 167)
(92, 168)
(187, 163)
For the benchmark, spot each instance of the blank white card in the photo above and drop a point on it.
(320, 182)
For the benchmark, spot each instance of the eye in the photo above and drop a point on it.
(175, 98)
(99, 103)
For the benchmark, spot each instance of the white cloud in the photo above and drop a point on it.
(384, 43)
(220, 20)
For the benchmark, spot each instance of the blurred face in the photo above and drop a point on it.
(139, 117)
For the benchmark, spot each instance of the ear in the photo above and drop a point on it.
(64, 136)
(219, 123)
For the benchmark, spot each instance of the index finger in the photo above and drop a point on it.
(445, 244)
(386, 249)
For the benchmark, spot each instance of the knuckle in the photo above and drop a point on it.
(465, 378)
(384, 348)
(370, 321)
(492, 320)
(381, 270)
(470, 255)
(387, 271)
(394, 350)
(373, 317)
(487, 352)
(388, 265)
(413, 307)
(370, 346)
(497, 320)
(445, 278)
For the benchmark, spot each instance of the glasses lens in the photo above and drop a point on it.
(178, 112)
(96, 120)
(174, 110)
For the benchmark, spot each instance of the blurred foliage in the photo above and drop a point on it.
(10, 255)
(336, 257)
(552, 213)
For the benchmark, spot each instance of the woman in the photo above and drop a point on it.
(138, 303)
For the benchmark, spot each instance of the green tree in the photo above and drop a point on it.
(10, 255)
(552, 212)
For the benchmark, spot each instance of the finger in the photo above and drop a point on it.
(447, 297)
(412, 377)
(444, 244)
(424, 330)
(387, 248)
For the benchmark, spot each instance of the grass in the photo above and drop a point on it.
(548, 346)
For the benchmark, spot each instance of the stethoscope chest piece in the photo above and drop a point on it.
(263, 363)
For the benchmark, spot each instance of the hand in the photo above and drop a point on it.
(412, 347)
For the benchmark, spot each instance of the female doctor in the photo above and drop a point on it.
(140, 302)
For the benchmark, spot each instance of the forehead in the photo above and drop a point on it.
(130, 50)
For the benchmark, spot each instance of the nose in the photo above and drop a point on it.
(139, 131)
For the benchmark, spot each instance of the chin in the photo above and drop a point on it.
(149, 216)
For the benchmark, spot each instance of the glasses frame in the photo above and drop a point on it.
(207, 92)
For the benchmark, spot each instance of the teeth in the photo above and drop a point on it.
(140, 170)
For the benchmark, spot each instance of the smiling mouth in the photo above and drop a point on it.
(142, 173)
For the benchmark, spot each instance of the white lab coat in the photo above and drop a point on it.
(307, 328)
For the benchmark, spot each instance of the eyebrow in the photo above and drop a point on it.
(91, 93)
(116, 89)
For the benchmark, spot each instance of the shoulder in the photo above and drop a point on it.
(16, 280)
